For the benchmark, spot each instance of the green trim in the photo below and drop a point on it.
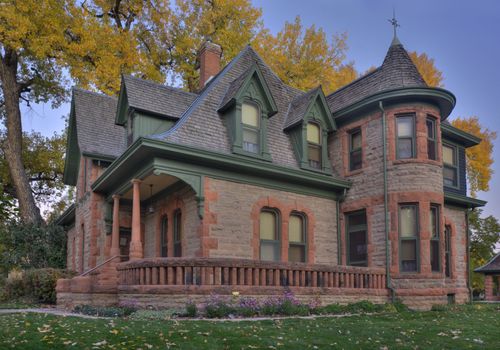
(123, 107)
(278, 228)
(199, 162)
(455, 167)
(72, 159)
(462, 201)
(67, 218)
(460, 136)
(96, 156)
(305, 234)
(438, 237)
(443, 98)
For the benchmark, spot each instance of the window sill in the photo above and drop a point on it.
(241, 152)
(417, 275)
(354, 172)
(319, 171)
(417, 160)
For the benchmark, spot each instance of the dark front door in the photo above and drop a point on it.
(125, 237)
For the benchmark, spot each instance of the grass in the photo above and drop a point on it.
(456, 328)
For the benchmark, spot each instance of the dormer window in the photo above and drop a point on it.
(314, 145)
(250, 119)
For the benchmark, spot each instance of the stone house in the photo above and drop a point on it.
(253, 186)
(491, 271)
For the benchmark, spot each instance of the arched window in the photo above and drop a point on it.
(270, 235)
(314, 145)
(177, 233)
(297, 237)
(164, 236)
(250, 118)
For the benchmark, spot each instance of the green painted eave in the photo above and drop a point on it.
(444, 99)
(460, 136)
(98, 156)
(136, 162)
(72, 158)
(67, 218)
(462, 201)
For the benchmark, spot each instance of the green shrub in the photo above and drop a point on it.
(154, 315)
(400, 306)
(14, 286)
(332, 309)
(103, 311)
(191, 309)
(363, 306)
(40, 284)
(439, 307)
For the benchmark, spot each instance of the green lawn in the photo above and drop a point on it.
(468, 327)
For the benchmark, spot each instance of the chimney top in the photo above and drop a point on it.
(209, 60)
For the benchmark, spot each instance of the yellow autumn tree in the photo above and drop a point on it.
(304, 58)
(425, 65)
(480, 157)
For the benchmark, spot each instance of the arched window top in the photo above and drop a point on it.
(313, 133)
(270, 235)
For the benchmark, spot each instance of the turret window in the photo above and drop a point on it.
(450, 168)
(408, 237)
(314, 145)
(431, 138)
(405, 128)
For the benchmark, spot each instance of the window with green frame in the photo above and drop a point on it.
(177, 239)
(405, 137)
(356, 232)
(430, 122)
(447, 251)
(163, 236)
(297, 237)
(355, 150)
(450, 165)
(314, 147)
(435, 238)
(408, 238)
(270, 235)
(250, 120)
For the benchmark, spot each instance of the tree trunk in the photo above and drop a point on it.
(28, 210)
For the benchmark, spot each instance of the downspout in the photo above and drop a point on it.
(339, 245)
(386, 200)
(468, 255)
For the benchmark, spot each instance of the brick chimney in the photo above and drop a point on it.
(209, 60)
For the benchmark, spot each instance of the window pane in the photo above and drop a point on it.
(356, 161)
(313, 133)
(433, 223)
(408, 255)
(408, 221)
(269, 251)
(314, 156)
(295, 229)
(405, 126)
(356, 140)
(250, 115)
(450, 176)
(435, 255)
(357, 219)
(448, 155)
(268, 225)
(296, 253)
(177, 226)
(405, 148)
(164, 242)
(357, 246)
(431, 149)
(430, 129)
(251, 140)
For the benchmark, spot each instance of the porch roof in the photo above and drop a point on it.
(491, 267)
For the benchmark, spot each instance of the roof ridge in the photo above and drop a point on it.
(489, 262)
(100, 94)
(152, 82)
(199, 97)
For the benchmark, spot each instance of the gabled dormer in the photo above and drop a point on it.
(246, 107)
(146, 107)
(308, 122)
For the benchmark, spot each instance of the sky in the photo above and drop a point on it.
(463, 38)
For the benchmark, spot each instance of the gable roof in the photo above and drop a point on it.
(149, 96)
(397, 71)
(492, 266)
(96, 131)
(203, 127)
(237, 86)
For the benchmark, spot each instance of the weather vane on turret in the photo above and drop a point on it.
(395, 24)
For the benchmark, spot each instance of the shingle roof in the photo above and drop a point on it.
(157, 98)
(234, 87)
(298, 107)
(397, 71)
(491, 266)
(202, 126)
(95, 124)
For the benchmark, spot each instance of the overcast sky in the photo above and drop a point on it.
(463, 37)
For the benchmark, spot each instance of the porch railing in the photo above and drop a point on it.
(240, 272)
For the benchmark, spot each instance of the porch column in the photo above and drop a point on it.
(488, 288)
(136, 251)
(115, 232)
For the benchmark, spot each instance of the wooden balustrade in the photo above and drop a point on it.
(240, 272)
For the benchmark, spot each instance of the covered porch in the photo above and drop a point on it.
(491, 271)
